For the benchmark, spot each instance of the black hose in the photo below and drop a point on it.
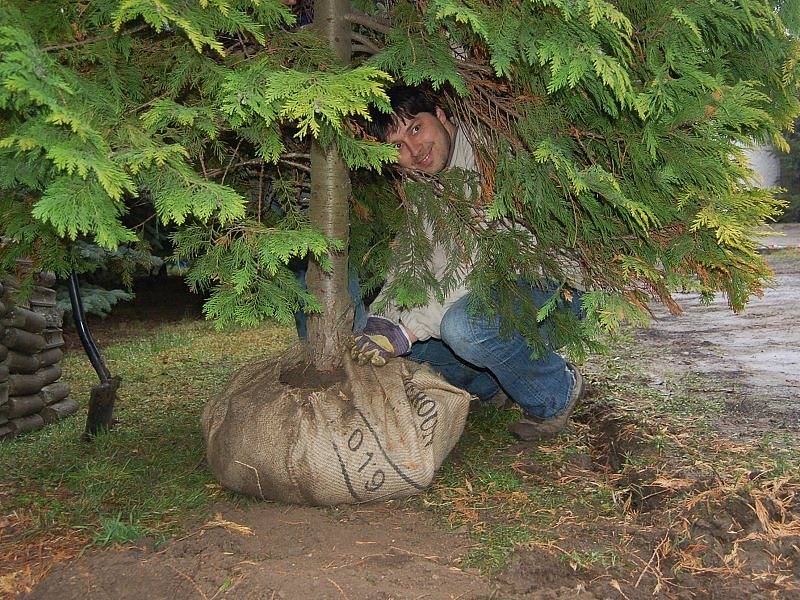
(84, 334)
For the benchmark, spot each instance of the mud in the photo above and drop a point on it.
(277, 552)
(306, 376)
(750, 360)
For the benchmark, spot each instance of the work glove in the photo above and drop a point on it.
(381, 340)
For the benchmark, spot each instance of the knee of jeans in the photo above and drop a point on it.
(457, 332)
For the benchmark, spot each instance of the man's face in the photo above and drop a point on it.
(424, 141)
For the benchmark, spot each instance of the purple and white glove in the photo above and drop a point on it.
(381, 340)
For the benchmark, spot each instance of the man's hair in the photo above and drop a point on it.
(407, 101)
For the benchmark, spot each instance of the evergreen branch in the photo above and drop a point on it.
(234, 155)
(258, 161)
(471, 66)
(601, 126)
(297, 165)
(361, 48)
(260, 192)
(365, 42)
(92, 40)
(150, 102)
(244, 46)
(365, 20)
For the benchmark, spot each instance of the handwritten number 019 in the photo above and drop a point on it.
(378, 478)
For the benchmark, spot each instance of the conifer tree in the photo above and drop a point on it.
(611, 130)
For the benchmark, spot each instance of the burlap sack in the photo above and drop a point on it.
(381, 434)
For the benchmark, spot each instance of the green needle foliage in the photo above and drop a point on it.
(112, 104)
(611, 131)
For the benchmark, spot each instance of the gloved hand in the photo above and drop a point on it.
(381, 339)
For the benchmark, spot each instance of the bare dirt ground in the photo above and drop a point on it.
(400, 551)
(752, 359)
(272, 551)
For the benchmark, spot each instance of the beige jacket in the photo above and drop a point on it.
(424, 321)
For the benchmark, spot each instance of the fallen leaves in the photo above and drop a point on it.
(219, 521)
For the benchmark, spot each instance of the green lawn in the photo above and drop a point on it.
(146, 475)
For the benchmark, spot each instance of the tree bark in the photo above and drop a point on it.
(329, 331)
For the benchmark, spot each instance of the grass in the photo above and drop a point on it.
(146, 476)
(118, 530)
(631, 445)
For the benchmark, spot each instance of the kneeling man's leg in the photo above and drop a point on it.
(546, 388)
(478, 382)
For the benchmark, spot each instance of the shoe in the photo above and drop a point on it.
(499, 401)
(530, 428)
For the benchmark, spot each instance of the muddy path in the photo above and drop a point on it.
(278, 552)
(751, 360)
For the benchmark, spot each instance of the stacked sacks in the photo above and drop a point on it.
(43, 301)
(5, 428)
(31, 340)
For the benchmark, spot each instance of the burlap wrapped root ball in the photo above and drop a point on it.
(381, 433)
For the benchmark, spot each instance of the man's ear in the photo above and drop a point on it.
(441, 116)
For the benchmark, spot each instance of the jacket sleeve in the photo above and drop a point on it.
(424, 322)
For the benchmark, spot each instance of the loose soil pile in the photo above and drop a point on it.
(278, 552)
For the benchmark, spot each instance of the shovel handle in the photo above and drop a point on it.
(87, 341)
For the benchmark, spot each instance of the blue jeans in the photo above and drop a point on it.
(473, 356)
(435, 353)
(541, 386)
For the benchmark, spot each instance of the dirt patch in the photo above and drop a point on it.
(274, 551)
(710, 542)
(617, 447)
(611, 437)
(305, 376)
(541, 575)
(685, 533)
(750, 361)
(739, 541)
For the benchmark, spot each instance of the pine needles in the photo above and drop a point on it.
(610, 131)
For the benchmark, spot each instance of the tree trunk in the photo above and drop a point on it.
(329, 212)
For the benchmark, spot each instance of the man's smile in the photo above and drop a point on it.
(425, 161)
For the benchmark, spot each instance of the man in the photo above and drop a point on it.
(467, 350)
